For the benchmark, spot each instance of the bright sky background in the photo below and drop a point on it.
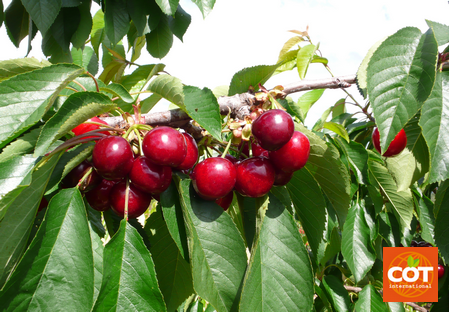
(244, 33)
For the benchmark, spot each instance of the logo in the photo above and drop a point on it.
(410, 274)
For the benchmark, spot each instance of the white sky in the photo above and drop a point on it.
(244, 33)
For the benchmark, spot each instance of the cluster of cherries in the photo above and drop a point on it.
(270, 159)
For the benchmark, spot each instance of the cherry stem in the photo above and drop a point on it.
(227, 146)
(126, 200)
(81, 181)
(82, 87)
(95, 81)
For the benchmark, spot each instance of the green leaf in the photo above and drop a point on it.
(336, 292)
(401, 202)
(202, 106)
(10, 68)
(64, 27)
(172, 211)
(16, 224)
(251, 76)
(303, 59)
(179, 23)
(435, 128)
(310, 206)
(98, 32)
(76, 109)
(15, 176)
(330, 172)
(160, 39)
(441, 216)
(169, 88)
(426, 219)
(97, 246)
(205, 6)
(306, 101)
(441, 32)
(116, 20)
(82, 33)
(410, 262)
(370, 300)
(43, 12)
(362, 78)
(61, 260)
(142, 73)
(337, 128)
(396, 306)
(20, 146)
(279, 275)
(356, 244)
(120, 91)
(137, 10)
(217, 251)
(16, 22)
(173, 272)
(357, 158)
(86, 58)
(129, 279)
(168, 6)
(406, 60)
(26, 97)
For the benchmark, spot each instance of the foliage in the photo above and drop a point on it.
(301, 247)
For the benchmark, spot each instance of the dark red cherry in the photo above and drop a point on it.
(293, 155)
(440, 271)
(213, 177)
(225, 201)
(282, 178)
(165, 146)
(86, 127)
(257, 150)
(98, 198)
(191, 155)
(150, 177)
(76, 174)
(255, 176)
(138, 201)
(396, 146)
(273, 129)
(112, 157)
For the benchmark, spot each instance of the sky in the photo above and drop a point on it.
(245, 33)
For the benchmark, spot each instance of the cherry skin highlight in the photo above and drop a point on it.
(213, 178)
(293, 155)
(149, 177)
(396, 146)
(112, 157)
(165, 146)
(138, 201)
(255, 176)
(273, 129)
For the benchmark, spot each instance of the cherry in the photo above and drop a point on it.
(192, 153)
(257, 150)
(76, 174)
(165, 146)
(255, 176)
(86, 127)
(225, 201)
(138, 201)
(112, 157)
(440, 271)
(293, 155)
(396, 146)
(213, 177)
(98, 198)
(149, 177)
(281, 178)
(43, 204)
(273, 129)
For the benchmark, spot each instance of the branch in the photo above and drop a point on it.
(239, 105)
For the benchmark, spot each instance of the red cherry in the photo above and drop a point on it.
(255, 176)
(225, 201)
(192, 153)
(73, 177)
(293, 155)
(440, 271)
(138, 201)
(257, 150)
(98, 198)
(86, 127)
(273, 129)
(396, 146)
(149, 177)
(282, 178)
(213, 177)
(112, 157)
(165, 146)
